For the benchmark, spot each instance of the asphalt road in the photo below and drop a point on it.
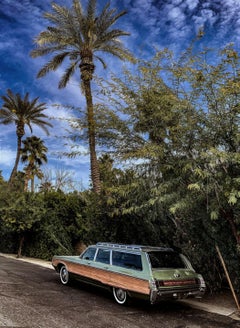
(32, 296)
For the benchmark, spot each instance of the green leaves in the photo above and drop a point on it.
(21, 211)
(233, 196)
(182, 135)
(194, 186)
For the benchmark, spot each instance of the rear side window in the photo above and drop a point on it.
(166, 260)
(89, 254)
(127, 260)
(103, 256)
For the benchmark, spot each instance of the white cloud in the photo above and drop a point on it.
(7, 157)
(192, 4)
(170, 23)
(176, 15)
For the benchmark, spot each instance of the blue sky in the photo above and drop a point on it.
(152, 23)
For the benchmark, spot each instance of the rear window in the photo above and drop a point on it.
(127, 260)
(166, 260)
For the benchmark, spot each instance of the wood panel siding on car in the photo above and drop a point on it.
(107, 276)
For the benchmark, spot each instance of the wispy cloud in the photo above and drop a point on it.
(161, 23)
(165, 23)
(7, 156)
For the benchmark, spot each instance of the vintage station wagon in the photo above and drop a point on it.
(153, 273)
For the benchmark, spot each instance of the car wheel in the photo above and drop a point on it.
(64, 275)
(120, 295)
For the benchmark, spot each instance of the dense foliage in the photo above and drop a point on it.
(182, 136)
(173, 126)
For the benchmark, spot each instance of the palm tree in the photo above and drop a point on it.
(78, 35)
(34, 154)
(22, 111)
(46, 186)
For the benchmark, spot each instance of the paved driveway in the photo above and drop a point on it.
(32, 296)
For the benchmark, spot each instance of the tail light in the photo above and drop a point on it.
(167, 283)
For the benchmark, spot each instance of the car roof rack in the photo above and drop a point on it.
(121, 246)
(131, 247)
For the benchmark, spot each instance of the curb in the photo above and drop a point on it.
(46, 264)
(207, 307)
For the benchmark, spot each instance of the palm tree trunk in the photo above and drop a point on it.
(95, 175)
(32, 184)
(14, 170)
(25, 184)
(26, 179)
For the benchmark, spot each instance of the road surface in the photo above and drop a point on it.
(32, 296)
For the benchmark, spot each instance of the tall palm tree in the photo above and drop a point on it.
(34, 154)
(78, 35)
(22, 111)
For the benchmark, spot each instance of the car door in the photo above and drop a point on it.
(102, 266)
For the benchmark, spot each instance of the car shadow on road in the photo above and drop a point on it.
(96, 294)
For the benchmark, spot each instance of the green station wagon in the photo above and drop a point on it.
(153, 273)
